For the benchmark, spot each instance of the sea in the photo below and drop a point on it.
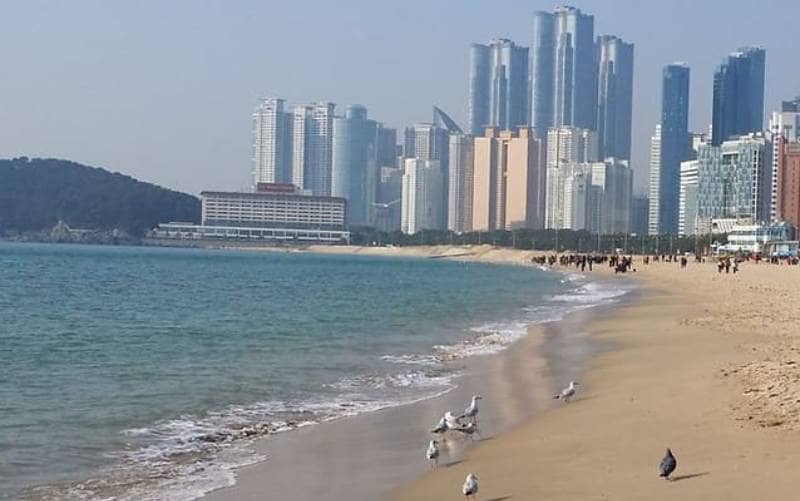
(137, 373)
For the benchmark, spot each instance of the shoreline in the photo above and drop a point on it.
(704, 363)
(517, 384)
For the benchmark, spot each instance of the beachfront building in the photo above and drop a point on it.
(757, 238)
(784, 128)
(614, 97)
(738, 98)
(508, 181)
(687, 206)
(734, 180)
(388, 204)
(498, 86)
(422, 194)
(654, 192)
(459, 210)
(312, 147)
(274, 213)
(354, 174)
(565, 146)
(271, 157)
(597, 196)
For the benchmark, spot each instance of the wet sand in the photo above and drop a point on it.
(706, 364)
(363, 457)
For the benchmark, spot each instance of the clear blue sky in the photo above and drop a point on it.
(163, 89)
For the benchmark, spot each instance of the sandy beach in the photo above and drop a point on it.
(707, 364)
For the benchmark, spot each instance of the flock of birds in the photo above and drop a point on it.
(466, 424)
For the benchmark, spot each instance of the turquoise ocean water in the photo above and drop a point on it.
(141, 373)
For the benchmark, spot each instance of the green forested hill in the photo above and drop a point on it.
(35, 194)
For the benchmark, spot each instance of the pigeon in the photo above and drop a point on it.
(471, 411)
(470, 487)
(668, 465)
(568, 392)
(441, 427)
(433, 452)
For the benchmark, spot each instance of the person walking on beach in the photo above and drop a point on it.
(727, 265)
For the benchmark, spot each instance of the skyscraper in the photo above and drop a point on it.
(508, 181)
(460, 177)
(498, 86)
(423, 190)
(271, 143)
(565, 145)
(687, 206)
(355, 174)
(614, 96)
(674, 143)
(312, 147)
(738, 106)
(654, 194)
(563, 71)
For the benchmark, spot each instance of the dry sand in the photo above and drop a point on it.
(707, 364)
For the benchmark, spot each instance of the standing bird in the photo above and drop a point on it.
(441, 427)
(568, 392)
(471, 411)
(668, 465)
(470, 487)
(452, 420)
(468, 429)
(433, 453)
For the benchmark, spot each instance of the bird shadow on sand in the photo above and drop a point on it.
(689, 476)
(453, 463)
(502, 498)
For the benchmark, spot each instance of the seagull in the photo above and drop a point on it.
(471, 411)
(441, 427)
(452, 420)
(470, 487)
(668, 465)
(468, 429)
(568, 392)
(433, 452)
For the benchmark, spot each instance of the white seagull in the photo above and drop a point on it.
(471, 411)
(441, 427)
(433, 453)
(470, 487)
(568, 392)
(468, 429)
(452, 420)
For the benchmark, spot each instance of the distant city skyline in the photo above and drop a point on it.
(163, 92)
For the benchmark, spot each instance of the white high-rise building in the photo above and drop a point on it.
(597, 196)
(271, 143)
(565, 145)
(460, 179)
(687, 202)
(423, 190)
(655, 182)
(786, 124)
(312, 147)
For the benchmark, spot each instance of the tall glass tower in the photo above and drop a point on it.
(355, 163)
(563, 71)
(738, 95)
(614, 97)
(498, 90)
(674, 143)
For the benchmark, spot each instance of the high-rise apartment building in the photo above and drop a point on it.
(271, 143)
(787, 196)
(614, 96)
(312, 147)
(565, 145)
(687, 205)
(461, 160)
(498, 86)
(422, 192)
(673, 146)
(563, 71)
(784, 129)
(738, 106)
(640, 209)
(597, 196)
(654, 193)
(355, 171)
(734, 179)
(508, 181)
